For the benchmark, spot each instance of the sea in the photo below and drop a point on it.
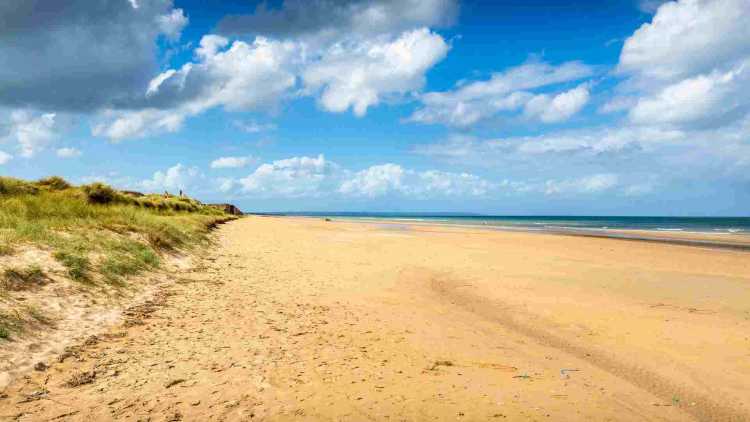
(716, 225)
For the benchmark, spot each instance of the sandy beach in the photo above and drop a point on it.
(304, 319)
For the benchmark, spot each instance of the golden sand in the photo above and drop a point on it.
(302, 319)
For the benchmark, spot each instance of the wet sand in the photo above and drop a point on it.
(302, 319)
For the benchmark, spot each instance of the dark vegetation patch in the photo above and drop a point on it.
(17, 279)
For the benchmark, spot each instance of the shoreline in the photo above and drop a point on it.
(739, 241)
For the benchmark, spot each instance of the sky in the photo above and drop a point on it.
(518, 107)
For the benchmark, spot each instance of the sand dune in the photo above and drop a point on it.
(302, 319)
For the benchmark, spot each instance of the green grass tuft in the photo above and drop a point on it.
(127, 258)
(77, 264)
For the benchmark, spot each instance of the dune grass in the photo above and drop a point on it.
(99, 234)
(22, 278)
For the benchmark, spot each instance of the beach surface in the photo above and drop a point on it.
(306, 319)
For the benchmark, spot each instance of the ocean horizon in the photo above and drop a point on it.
(717, 225)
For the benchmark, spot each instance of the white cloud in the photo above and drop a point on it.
(701, 99)
(557, 108)
(347, 71)
(433, 183)
(374, 181)
(31, 132)
(644, 158)
(238, 76)
(689, 67)
(688, 37)
(5, 157)
(232, 162)
(587, 184)
(68, 152)
(171, 24)
(359, 75)
(618, 103)
(136, 124)
(392, 179)
(313, 177)
(292, 177)
(507, 91)
(177, 177)
(587, 143)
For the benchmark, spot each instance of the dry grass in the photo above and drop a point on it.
(16, 279)
(80, 378)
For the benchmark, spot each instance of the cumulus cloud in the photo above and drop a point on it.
(68, 152)
(172, 23)
(237, 76)
(392, 179)
(434, 183)
(177, 177)
(688, 37)
(5, 157)
(292, 177)
(557, 108)
(317, 177)
(689, 66)
(79, 57)
(358, 76)
(259, 75)
(31, 132)
(382, 52)
(708, 99)
(313, 177)
(508, 91)
(325, 20)
(374, 181)
(231, 162)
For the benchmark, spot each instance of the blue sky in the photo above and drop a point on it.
(516, 107)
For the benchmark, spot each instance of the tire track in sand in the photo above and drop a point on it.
(705, 408)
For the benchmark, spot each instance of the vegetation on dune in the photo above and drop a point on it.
(99, 234)
(22, 278)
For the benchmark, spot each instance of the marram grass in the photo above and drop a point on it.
(99, 234)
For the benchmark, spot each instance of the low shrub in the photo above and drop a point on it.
(54, 183)
(11, 186)
(99, 193)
